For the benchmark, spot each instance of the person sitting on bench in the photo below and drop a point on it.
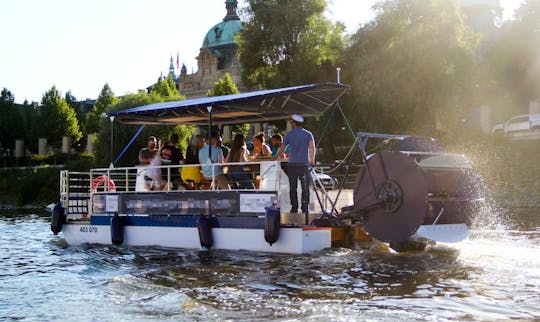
(209, 156)
(239, 153)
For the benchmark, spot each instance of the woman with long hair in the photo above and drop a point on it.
(192, 174)
(239, 153)
(260, 148)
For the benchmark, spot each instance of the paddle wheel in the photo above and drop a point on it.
(413, 190)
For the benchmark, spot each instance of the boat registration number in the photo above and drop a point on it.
(86, 229)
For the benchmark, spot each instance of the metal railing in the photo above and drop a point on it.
(264, 174)
(75, 193)
(77, 188)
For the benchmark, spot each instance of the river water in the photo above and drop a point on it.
(494, 275)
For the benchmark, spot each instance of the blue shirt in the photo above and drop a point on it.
(275, 150)
(217, 155)
(298, 141)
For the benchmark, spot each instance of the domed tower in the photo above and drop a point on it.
(217, 55)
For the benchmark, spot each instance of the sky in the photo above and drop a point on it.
(80, 45)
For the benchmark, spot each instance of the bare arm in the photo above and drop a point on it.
(266, 149)
(280, 151)
(311, 152)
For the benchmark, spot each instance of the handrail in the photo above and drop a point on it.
(79, 189)
(126, 178)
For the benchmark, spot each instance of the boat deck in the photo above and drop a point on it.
(128, 191)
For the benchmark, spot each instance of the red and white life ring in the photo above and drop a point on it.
(106, 182)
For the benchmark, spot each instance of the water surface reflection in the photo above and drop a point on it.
(493, 275)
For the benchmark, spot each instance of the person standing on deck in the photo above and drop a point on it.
(146, 155)
(301, 156)
(150, 157)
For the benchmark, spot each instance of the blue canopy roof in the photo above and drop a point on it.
(258, 106)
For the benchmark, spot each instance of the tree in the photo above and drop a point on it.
(7, 97)
(81, 117)
(94, 117)
(8, 125)
(124, 132)
(17, 122)
(413, 64)
(57, 118)
(226, 86)
(166, 89)
(513, 61)
(288, 42)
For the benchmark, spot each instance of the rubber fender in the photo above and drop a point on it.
(117, 230)
(58, 219)
(204, 226)
(272, 224)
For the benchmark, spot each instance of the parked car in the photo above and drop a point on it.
(524, 122)
(325, 180)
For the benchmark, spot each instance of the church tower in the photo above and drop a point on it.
(171, 69)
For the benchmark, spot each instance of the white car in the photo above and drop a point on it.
(524, 122)
(324, 180)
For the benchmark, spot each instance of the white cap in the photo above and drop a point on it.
(297, 118)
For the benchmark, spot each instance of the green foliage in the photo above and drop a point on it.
(37, 186)
(224, 86)
(184, 133)
(288, 42)
(240, 129)
(7, 97)
(512, 64)
(410, 66)
(166, 89)
(84, 162)
(7, 119)
(57, 118)
(94, 117)
(81, 117)
(16, 122)
(41, 158)
(124, 132)
(494, 158)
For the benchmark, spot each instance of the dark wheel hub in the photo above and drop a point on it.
(389, 195)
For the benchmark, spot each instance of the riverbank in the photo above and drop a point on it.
(34, 187)
(508, 168)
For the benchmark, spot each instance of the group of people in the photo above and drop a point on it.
(155, 155)
(298, 146)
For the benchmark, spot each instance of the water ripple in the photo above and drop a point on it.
(492, 276)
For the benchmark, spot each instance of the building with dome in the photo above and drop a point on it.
(216, 57)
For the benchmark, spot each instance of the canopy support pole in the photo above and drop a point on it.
(346, 120)
(209, 109)
(112, 141)
(129, 144)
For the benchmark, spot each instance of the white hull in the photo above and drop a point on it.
(446, 233)
(291, 240)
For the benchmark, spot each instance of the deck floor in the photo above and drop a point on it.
(345, 199)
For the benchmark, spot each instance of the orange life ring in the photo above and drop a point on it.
(105, 180)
